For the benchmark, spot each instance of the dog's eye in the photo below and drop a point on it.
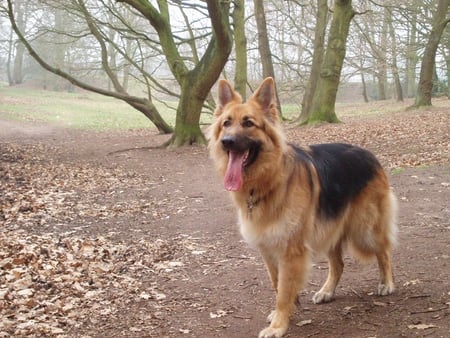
(247, 123)
(227, 123)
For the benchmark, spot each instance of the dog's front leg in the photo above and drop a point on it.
(292, 272)
(271, 266)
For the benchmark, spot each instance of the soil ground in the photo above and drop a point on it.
(106, 235)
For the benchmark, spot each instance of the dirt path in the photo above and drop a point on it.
(105, 236)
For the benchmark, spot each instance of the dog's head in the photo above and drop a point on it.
(243, 134)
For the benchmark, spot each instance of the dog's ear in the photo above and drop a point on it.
(266, 98)
(226, 95)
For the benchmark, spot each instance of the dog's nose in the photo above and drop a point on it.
(228, 141)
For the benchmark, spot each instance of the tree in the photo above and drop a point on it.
(264, 45)
(240, 76)
(319, 45)
(394, 66)
(324, 98)
(17, 75)
(375, 37)
(196, 82)
(425, 88)
(195, 75)
(447, 64)
(142, 104)
(411, 56)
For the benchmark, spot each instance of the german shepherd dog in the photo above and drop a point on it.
(293, 202)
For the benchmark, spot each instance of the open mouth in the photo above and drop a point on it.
(250, 156)
(238, 161)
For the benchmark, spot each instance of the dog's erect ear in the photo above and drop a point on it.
(266, 98)
(226, 95)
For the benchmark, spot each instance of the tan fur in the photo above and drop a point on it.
(277, 208)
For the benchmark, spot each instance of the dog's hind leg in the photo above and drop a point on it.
(386, 285)
(386, 240)
(336, 266)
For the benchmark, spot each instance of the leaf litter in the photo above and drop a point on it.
(51, 283)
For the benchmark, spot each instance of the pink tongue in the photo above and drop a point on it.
(233, 176)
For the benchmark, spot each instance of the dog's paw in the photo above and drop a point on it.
(272, 332)
(384, 290)
(322, 297)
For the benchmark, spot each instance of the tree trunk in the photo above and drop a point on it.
(240, 42)
(126, 67)
(424, 91)
(20, 49)
(382, 60)
(447, 62)
(264, 46)
(8, 60)
(319, 42)
(197, 83)
(187, 126)
(324, 99)
(364, 88)
(397, 82)
(411, 58)
(59, 50)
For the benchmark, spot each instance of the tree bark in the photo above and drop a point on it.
(397, 82)
(264, 46)
(240, 42)
(411, 57)
(364, 88)
(381, 73)
(324, 100)
(9, 58)
(447, 62)
(319, 42)
(20, 49)
(425, 88)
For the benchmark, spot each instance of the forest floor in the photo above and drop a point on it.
(105, 235)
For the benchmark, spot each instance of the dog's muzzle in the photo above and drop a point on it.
(242, 144)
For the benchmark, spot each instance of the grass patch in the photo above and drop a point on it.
(397, 171)
(76, 110)
(87, 110)
(291, 111)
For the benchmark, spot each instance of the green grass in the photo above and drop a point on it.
(92, 111)
(397, 171)
(76, 110)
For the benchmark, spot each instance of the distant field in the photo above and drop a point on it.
(91, 111)
(77, 110)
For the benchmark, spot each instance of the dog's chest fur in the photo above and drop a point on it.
(273, 234)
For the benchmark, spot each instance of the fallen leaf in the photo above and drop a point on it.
(304, 322)
(411, 282)
(421, 326)
(218, 314)
(145, 295)
(379, 303)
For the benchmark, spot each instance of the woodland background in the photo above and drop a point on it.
(158, 51)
